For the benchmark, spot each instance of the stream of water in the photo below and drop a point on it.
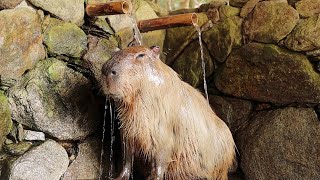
(102, 140)
(203, 64)
(137, 34)
(112, 138)
(108, 105)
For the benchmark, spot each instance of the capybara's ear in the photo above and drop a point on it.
(156, 51)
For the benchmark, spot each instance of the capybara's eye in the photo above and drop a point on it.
(141, 55)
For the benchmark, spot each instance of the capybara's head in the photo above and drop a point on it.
(129, 70)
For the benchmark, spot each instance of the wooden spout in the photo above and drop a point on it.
(168, 22)
(109, 8)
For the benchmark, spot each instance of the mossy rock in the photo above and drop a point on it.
(270, 22)
(17, 148)
(188, 64)
(305, 36)
(5, 118)
(307, 8)
(99, 52)
(281, 144)
(20, 42)
(180, 36)
(268, 73)
(223, 37)
(226, 11)
(65, 39)
(56, 100)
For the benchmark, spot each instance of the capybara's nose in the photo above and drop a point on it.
(113, 72)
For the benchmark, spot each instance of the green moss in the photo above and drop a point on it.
(223, 37)
(17, 149)
(228, 11)
(102, 23)
(188, 64)
(66, 39)
(55, 69)
(5, 118)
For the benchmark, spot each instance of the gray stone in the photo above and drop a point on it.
(234, 112)
(223, 37)
(65, 39)
(101, 23)
(86, 164)
(16, 134)
(99, 52)
(26, 4)
(34, 136)
(188, 65)
(281, 144)
(5, 118)
(70, 11)
(56, 100)
(305, 36)
(268, 73)
(307, 8)
(151, 38)
(20, 41)
(9, 4)
(123, 30)
(158, 9)
(47, 161)
(270, 22)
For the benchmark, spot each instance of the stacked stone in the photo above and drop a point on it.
(265, 82)
(262, 63)
(50, 106)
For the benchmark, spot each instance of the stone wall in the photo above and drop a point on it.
(51, 107)
(264, 82)
(262, 72)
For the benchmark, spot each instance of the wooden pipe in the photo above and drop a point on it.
(109, 8)
(168, 22)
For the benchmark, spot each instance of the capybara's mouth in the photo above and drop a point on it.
(115, 97)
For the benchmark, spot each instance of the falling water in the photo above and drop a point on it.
(137, 34)
(203, 64)
(102, 140)
(112, 138)
(110, 173)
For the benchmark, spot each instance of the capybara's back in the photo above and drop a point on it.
(204, 144)
(165, 119)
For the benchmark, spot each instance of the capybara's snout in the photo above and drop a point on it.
(109, 71)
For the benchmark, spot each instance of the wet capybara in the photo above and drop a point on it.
(165, 119)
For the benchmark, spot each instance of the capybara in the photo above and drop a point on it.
(165, 119)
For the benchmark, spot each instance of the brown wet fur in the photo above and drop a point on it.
(165, 119)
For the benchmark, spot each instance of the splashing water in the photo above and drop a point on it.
(203, 64)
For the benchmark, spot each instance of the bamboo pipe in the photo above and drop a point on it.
(109, 8)
(168, 22)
